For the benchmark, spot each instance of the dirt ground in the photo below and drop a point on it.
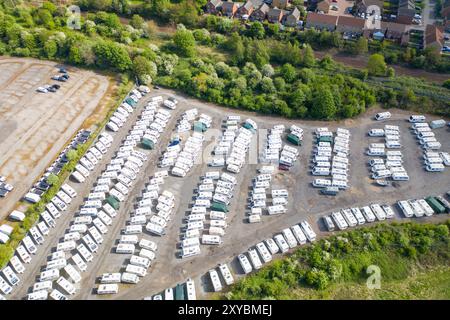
(305, 202)
(34, 126)
(361, 62)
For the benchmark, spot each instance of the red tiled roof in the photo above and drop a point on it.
(321, 18)
(351, 22)
(433, 35)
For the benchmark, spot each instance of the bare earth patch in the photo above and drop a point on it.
(34, 127)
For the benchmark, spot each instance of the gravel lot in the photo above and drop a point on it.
(305, 202)
(34, 126)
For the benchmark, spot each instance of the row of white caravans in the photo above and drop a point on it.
(288, 239)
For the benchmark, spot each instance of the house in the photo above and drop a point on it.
(282, 4)
(433, 37)
(229, 8)
(321, 21)
(350, 25)
(445, 13)
(291, 19)
(245, 10)
(274, 15)
(323, 6)
(361, 6)
(395, 31)
(406, 11)
(214, 6)
(260, 13)
(390, 30)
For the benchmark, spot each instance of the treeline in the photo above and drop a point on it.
(429, 58)
(190, 14)
(412, 94)
(397, 249)
(103, 41)
(187, 12)
(250, 81)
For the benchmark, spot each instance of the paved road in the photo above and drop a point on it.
(428, 16)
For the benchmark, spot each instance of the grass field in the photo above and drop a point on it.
(412, 259)
(426, 284)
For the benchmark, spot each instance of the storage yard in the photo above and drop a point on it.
(35, 126)
(203, 208)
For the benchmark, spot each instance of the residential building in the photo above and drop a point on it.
(260, 14)
(282, 4)
(275, 15)
(406, 11)
(214, 6)
(323, 6)
(350, 25)
(390, 30)
(362, 6)
(291, 19)
(245, 10)
(445, 13)
(395, 31)
(229, 8)
(321, 21)
(433, 37)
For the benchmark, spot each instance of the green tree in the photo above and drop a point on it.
(308, 57)
(71, 155)
(446, 84)
(267, 70)
(256, 30)
(137, 21)
(288, 72)
(390, 72)
(361, 46)
(52, 179)
(144, 69)
(184, 12)
(376, 65)
(111, 54)
(267, 85)
(45, 18)
(184, 42)
(235, 45)
(50, 49)
(323, 106)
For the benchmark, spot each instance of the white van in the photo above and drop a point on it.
(281, 242)
(437, 167)
(112, 288)
(211, 239)
(376, 133)
(400, 176)
(245, 264)
(140, 261)
(190, 251)
(393, 144)
(108, 278)
(382, 116)
(49, 275)
(321, 171)
(376, 152)
(339, 219)
(298, 233)
(43, 286)
(432, 145)
(417, 118)
(78, 176)
(125, 248)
